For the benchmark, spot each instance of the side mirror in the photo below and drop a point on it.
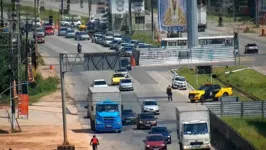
(144, 140)
(156, 118)
(149, 132)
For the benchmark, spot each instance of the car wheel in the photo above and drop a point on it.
(225, 94)
(192, 101)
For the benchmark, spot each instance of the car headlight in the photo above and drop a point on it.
(163, 145)
(118, 122)
(154, 121)
(98, 122)
(140, 122)
(147, 145)
(169, 136)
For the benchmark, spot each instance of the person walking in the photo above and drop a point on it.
(94, 142)
(169, 93)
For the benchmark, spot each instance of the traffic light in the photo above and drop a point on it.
(50, 19)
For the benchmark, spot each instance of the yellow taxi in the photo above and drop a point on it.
(116, 78)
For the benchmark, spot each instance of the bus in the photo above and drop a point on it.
(181, 42)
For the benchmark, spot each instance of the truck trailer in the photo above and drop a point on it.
(104, 107)
(193, 127)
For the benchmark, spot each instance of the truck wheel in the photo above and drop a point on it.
(201, 99)
(119, 131)
(225, 94)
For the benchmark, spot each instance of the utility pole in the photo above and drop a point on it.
(130, 17)
(2, 14)
(27, 49)
(234, 10)
(89, 6)
(35, 25)
(62, 9)
(19, 49)
(152, 21)
(257, 14)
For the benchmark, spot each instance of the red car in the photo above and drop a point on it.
(40, 38)
(49, 30)
(155, 142)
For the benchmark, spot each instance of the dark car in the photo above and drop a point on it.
(164, 132)
(113, 44)
(146, 120)
(155, 142)
(125, 63)
(128, 116)
(251, 48)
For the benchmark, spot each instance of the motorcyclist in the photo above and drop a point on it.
(169, 93)
(94, 142)
(79, 48)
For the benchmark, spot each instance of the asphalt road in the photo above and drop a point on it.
(147, 83)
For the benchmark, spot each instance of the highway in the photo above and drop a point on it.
(148, 83)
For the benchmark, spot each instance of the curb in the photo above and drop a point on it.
(174, 72)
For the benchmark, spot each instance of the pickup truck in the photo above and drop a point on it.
(209, 91)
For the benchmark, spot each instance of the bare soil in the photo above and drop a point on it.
(43, 130)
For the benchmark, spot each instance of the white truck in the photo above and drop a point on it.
(104, 107)
(193, 127)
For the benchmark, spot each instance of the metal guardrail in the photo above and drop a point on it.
(238, 109)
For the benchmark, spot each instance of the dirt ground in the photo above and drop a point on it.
(43, 129)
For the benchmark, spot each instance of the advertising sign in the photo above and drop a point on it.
(23, 106)
(119, 6)
(137, 6)
(172, 15)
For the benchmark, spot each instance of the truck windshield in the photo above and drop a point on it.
(199, 128)
(107, 108)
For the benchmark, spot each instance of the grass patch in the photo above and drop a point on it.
(145, 36)
(202, 79)
(249, 81)
(42, 87)
(253, 129)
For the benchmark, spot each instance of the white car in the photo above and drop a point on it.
(118, 37)
(123, 71)
(126, 84)
(76, 22)
(99, 83)
(150, 105)
(108, 40)
(179, 82)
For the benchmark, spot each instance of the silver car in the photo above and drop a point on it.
(62, 31)
(125, 85)
(150, 105)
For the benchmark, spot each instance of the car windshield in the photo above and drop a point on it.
(147, 116)
(126, 81)
(127, 112)
(128, 48)
(150, 103)
(63, 29)
(118, 75)
(180, 79)
(109, 39)
(199, 128)
(70, 31)
(39, 30)
(124, 62)
(251, 45)
(48, 28)
(159, 129)
(118, 36)
(99, 83)
(155, 138)
(133, 42)
(122, 70)
(124, 44)
(39, 35)
(83, 33)
(114, 42)
(142, 46)
(204, 88)
(106, 107)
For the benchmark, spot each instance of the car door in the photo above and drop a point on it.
(216, 89)
(208, 92)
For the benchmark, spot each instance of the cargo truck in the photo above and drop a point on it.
(104, 109)
(193, 127)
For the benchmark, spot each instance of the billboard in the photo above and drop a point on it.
(119, 6)
(172, 15)
(137, 6)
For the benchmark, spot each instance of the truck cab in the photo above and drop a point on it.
(193, 127)
(104, 109)
(108, 116)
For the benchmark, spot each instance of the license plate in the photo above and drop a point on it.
(109, 126)
(196, 147)
(148, 125)
(156, 149)
(127, 121)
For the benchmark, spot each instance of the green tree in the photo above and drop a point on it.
(4, 52)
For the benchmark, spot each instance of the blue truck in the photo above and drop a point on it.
(104, 109)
